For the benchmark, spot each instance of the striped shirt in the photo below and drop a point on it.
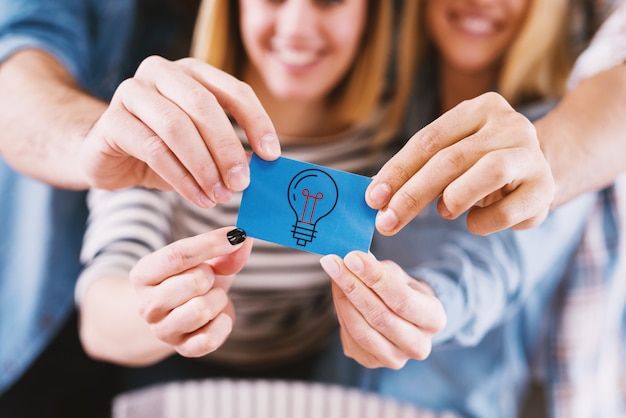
(282, 296)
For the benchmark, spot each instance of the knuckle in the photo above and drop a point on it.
(201, 100)
(350, 289)
(149, 311)
(200, 282)
(148, 63)
(421, 351)
(198, 308)
(396, 363)
(451, 160)
(242, 89)
(405, 305)
(170, 122)
(211, 341)
(495, 99)
(498, 170)
(159, 332)
(380, 320)
(441, 320)
(126, 86)
(155, 148)
(429, 139)
(410, 202)
(175, 256)
(365, 338)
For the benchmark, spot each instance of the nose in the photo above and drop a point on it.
(297, 18)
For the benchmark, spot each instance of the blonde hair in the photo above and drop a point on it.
(359, 98)
(537, 63)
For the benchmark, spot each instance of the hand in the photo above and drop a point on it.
(182, 291)
(386, 316)
(166, 127)
(480, 156)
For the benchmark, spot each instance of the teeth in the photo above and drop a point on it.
(477, 25)
(294, 57)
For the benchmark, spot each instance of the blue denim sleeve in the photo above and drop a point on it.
(89, 37)
(58, 27)
(482, 280)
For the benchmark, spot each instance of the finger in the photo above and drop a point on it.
(181, 256)
(105, 156)
(351, 349)
(459, 122)
(507, 212)
(391, 285)
(361, 341)
(241, 102)
(427, 184)
(499, 170)
(155, 302)
(374, 326)
(215, 143)
(232, 263)
(190, 316)
(521, 181)
(132, 111)
(206, 339)
(175, 134)
(459, 142)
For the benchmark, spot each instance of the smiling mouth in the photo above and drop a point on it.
(476, 25)
(296, 57)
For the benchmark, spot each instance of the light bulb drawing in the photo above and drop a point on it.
(312, 195)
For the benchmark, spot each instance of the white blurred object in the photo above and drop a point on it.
(606, 50)
(234, 398)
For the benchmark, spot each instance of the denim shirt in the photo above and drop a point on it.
(41, 227)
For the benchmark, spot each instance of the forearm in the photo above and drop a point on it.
(45, 117)
(111, 328)
(584, 137)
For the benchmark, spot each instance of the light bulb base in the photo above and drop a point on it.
(303, 233)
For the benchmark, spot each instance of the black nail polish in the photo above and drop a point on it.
(236, 236)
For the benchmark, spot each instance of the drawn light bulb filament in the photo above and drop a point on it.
(312, 195)
(309, 205)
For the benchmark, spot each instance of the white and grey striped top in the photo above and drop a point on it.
(282, 296)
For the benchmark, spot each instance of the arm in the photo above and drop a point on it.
(153, 133)
(176, 301)
(45, 117)
(583, 137)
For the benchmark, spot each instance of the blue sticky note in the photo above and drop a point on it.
(307, 207)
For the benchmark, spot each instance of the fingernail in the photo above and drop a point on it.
(221, 193)
(270, 145)
(238, 178)
(379, 195)
(236, 236)
(386, 220)
(330, 266)
(443, 210)
(206, 202)
(354, 263)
